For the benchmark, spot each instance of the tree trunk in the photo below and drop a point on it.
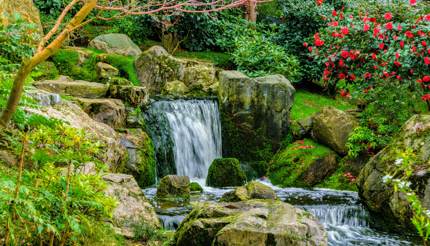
(251, 9)
(45, 53)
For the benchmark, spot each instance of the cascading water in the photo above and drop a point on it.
(187, 133)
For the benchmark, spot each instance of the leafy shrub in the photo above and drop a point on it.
(389, 106)
(17, 40)
(358, 48)
(256, 56)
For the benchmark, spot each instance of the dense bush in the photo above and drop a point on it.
(358, 48)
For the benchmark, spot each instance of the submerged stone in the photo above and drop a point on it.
(196, 187)
(254, 222)
(252, 190)
(173, 186)
(225, 172)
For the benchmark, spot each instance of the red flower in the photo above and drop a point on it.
(341, 76)
(374, 56)
(345, 30)
(409, 34)
(397, 55)
(389, 26)
(412, 2)
(334, 23)
(426, 97)
(399, 77)
(305, 44)
(399, 27)
(372, 19)
(427, 60)
(423, 43)
(375, 31)
(344, 54)
(402, 44)
(334, 13)
(310, 48)
(319, 2)
(427, 17)
(381, 46)
(366, 27)
(398, 64)
(341, 63)
(388, 16)
(352, 77)
(421, 33)
(319, 42)
(367, 75)
(426, 78)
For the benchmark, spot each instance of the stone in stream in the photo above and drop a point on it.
(134, 95)
(253, 222)
(225, 172)
(379, 196)
(173, 186)
(77, 88)
(255, 113)
(332, 127)
(252, 190)
(133, 207)
(116, 43)
(196, 187)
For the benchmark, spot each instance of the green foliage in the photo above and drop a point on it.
(196, 187)
(307, 103)
(338, 180)
(68, 63)
(17, 40)
(144, 232)
(389, 106)
(45, 70)
(50, 7)
(287, 166)
(256, 55)
(125, 65)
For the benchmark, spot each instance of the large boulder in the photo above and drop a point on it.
(225, 172)
(133, 208)
(108, 111)
(116, 43)
(155, 67)
(173, 186)
(303, 163)
(77, 88)
(134, 95)
(141, 157)
(113, 153)
(26, 10)
(380, 197)
(255, 113)
(252, 190)
(332, 127)
(253, 222)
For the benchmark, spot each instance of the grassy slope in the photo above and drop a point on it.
(307, 104)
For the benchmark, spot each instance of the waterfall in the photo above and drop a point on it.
(187, 133)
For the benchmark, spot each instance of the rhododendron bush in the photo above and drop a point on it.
(360, 50)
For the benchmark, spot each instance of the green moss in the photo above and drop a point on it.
(289, 164)
(195, 187)
(338, 182)
(225, 172)
(147, 165)
(218, 58)
(125, 65)
(45, 70)
(306, 104)
(67, 62)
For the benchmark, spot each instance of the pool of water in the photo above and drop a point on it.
(347, 222)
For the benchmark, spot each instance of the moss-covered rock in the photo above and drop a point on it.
(141, 161)
(156, 67)
(77, 63)
(173, 186)
(252, 190)
(255, 114)
(78, 88)
(108, 111)
(116, 43)
(379, 196)
(136, 96)
(302, 163)
(254, 222)
(332, 127)
(225, 172)
(196, 187)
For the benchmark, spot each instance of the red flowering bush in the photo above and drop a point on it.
(359, 49)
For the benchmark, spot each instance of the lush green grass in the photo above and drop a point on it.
(307, 104)
(218, 58)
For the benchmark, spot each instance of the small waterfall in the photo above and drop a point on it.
(187, 133)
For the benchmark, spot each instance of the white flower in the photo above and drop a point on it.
(404, 184)
(427, 212)
(387, 178)
(399, 161)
